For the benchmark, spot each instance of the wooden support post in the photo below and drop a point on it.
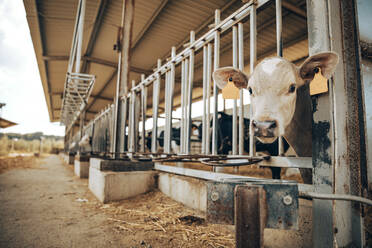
(250, 216)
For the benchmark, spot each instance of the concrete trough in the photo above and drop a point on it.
(111, 180)
(68, 158)
(81, 166)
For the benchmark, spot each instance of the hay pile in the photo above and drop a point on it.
(155, 220)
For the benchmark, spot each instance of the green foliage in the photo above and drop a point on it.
(14, 142)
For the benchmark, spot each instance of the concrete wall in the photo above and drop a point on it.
(189, 191)
(114, 186)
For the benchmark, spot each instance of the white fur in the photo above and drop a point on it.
(270, 65)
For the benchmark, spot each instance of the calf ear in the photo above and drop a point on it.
(222, 75)
(326, 62)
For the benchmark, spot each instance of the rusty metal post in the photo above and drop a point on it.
(350, 162)
(339, 158)
(123, 74)
(250, 216)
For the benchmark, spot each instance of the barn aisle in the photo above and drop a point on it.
(44, 207)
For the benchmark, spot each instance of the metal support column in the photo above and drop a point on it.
(241, 93)
(143, 113)
(155, 110)
(235, 106)
(208, 107)
(339, 157)
(253, 58)
(189, 94)
(204, 118)
(215, 89)
(182, 124)
(123, 74)
(279, 52)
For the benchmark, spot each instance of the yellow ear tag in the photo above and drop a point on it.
(319, 84)
(230, 91)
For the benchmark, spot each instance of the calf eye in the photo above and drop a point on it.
(292, 88)
(250, 90)
(230, 79)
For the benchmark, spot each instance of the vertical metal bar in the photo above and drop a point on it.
(322, 154)
(208, 107)
(279, 52)
(82, 119)
(241, 107)
(155, 110)
(189, 94)
(235, 106)
(279, 39)
(124, 114)
(74, 40)
(80, 36)
(132, 123)
(127, 17)
(167, 117)
(172, 75)
(204, 120)
(215, 89)
(182, 128)
(350, 168)
(250, 215)
(169, 88)
(253, 57)
(185, 104)
(78, 56)
(143, 112)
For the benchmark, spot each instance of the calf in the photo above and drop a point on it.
(274, 87)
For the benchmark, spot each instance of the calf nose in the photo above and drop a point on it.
(264, 128)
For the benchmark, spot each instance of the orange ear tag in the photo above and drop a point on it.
(319, 84)
(230, 91)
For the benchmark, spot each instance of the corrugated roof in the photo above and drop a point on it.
(158, 25)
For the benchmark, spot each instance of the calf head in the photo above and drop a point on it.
(273, 89)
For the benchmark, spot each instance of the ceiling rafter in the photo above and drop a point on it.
(45, 66)
(96, 61)
(149, 23)
(95, 31)
(205, 23)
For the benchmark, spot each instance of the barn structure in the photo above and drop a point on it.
(117, 73)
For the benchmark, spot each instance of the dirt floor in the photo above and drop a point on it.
(44, 205)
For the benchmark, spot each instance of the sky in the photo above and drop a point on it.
(20, 84)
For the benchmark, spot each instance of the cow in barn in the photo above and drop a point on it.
(175, 139)
(280, 99)
(85, 144)
(224, 140)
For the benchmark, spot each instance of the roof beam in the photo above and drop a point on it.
(45, 66)
(92, 95)
(149, 23)
(96, 61)
(294, 9)
(93, 36)
(206, 22)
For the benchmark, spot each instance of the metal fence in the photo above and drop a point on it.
(326, 167)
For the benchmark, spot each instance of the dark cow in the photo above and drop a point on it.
(224, 140)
